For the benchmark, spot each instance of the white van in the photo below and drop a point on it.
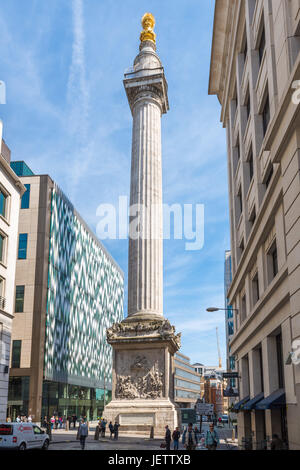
(22, 436)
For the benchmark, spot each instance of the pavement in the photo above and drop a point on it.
(66, 440)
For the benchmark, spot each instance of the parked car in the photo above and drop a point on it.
(22, 436)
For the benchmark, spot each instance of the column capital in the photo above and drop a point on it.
(146, 78)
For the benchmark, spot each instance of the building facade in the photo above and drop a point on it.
(11, 190)
(187, 382)
(255, 64)
(68, 291)
(232, 384)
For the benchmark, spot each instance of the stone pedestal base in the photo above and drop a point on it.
(139, 416)
(143, 376)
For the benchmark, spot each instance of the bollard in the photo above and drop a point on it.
(152, 432)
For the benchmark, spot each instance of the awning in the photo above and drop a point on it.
(275, 400)
(241, 403)
(250, 405)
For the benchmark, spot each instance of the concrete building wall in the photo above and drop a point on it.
(254, 84)
(11, 186)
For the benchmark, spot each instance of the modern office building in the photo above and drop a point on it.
(68, 291)
(11, 190)
(187, 382)
(255, 65)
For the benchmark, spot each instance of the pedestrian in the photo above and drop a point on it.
(52, 420)
(212, 438)
(176, 437)
(69, 419)
(111, 428)
(18, 419)
(103, 427)
(277, 443)
(49, 428)
(168, 437)
(29, 419)
(190, 438)
(116, 430)
(97, 432)
(83, 432)
(74, 419)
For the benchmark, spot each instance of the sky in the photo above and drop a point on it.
(67, 115)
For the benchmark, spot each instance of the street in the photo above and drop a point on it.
(66, 440)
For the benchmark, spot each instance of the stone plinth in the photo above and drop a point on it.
(143, 376)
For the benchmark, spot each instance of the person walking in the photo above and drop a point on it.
(168, 437)
(52, 420)
(83, 432)
(116, 430)
(211, 438)
(29, 419)
(97, 432)
(18, 419)
(74, 419)
(190, 438)
(111, 428)
(176, 437)
(103, 427)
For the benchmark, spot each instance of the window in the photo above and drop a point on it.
(262, 45)
(2, 247)
(240, 202)
(253, 216)
(272, 262)
(3, 203)
(255, 289)
(269, 177)
(243, 308)
(266, 115)
(250, 163)
(230, 328)
(19, 305)
(248, 106)
(16, 353)
(280, 361)
(37, 430)
(26, 197)
(261, 369)
(2, 298)
(22, 252)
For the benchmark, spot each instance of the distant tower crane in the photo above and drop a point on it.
(219, 351)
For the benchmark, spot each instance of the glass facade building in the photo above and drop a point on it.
(78, 295)
(187, 382)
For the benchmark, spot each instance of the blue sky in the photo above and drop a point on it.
(67, 116)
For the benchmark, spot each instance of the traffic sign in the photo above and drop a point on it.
(205, 408)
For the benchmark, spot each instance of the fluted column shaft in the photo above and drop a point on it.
(145, 274)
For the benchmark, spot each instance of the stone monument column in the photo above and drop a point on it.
(145, 342)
